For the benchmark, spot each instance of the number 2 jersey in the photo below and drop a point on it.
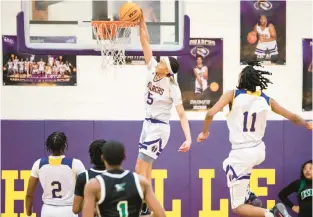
(121, 194)
(247, 118)
(57, 176)
(160, 95)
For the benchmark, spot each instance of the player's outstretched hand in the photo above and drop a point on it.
(309, 125)
(185, 146)
(202, 136)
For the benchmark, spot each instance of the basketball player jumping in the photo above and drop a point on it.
(249, 109)
(162, 92)
(201, 76)
(57, 175)
(118, 192)
(267, 44)
(95, 152)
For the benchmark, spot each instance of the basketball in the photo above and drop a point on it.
(252, 38)
(130, 12)
(214, 86)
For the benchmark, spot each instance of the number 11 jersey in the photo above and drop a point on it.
(161, 94)
(247, 118)
(57, 175)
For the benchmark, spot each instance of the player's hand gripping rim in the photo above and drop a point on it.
(202, 136)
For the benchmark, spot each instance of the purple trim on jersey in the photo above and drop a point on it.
(239, 91)
(155, 121)
(235, 176)
(145, 145)
(43, 161)
(267, 98)
(67, 162)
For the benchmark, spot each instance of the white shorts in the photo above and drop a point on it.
(266, 47)
(57, 211)
(238, 167)
(154, 137)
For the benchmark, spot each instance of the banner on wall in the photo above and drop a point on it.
(263, 31)
(200, 75)
(307, 74)
(22, 69)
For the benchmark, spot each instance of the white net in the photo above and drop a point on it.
(112, 38)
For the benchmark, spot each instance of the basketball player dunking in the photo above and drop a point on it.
(267, 44)
(57, 175)
(249, 109)
(162, 92)
(201, 76)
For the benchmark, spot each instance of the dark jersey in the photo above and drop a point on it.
(121, 194)
(83, 178)
(303, 188)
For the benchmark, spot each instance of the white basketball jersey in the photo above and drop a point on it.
(15, 63)
(160, 95)
(200, 72)
(247, 118)
(265, 32)
(57, 175)
(10, 64)
(41, 65)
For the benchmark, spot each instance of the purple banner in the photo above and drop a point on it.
(200, 74)
(307, 74)
(263, 31)
(22, 69)
(189, 184)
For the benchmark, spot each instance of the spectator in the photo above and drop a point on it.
(303, 188)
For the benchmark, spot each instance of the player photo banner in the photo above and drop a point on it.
(200, 75)
(22, 69)
(307, 74)
(263, 31)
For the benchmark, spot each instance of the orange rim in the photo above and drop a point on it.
(123, 24)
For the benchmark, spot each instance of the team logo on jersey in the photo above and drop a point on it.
(120, 187)
(263, 5)
(154, 148)
(200, 51)
(155, 89)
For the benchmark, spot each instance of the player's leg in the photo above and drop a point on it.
(273, 50)
(156, 136)
(238, 167)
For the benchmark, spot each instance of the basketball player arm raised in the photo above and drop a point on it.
(32, 184)
(225, 99)
(145, 40)
(91, 196)
(296, 119)
(150, 198)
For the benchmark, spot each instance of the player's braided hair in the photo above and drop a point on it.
(251, 78)
(95, 152)
(56, 143)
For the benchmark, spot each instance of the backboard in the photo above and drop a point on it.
(42, 23)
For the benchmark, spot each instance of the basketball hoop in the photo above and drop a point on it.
(112, 36)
